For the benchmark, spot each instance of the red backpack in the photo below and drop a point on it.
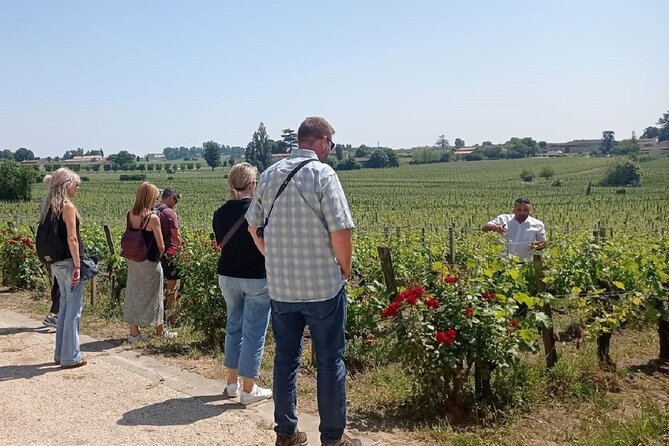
(133, 245)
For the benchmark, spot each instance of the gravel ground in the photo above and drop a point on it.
(120, 397)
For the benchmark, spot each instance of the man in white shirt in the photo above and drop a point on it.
(522, 233)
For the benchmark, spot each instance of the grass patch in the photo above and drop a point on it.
(650, 428)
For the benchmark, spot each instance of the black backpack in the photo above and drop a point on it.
(50, 244)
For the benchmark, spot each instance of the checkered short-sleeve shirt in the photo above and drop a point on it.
(299, 258)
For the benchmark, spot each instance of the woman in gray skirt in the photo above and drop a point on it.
(144, 291)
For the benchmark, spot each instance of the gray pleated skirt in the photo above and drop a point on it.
(144, 294)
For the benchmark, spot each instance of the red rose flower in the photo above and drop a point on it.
(515, 323)
(392, 309)
(171, 251)
(469, 312)
(432, 303)
(446, 337)
(489, 296)
(450, 279)
(369, 339)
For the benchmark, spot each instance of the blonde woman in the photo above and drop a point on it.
(243, 282)
(58, 209)
(144, 289)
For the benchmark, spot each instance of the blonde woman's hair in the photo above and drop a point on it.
(240, 177)
(145, 198)
(56, 197)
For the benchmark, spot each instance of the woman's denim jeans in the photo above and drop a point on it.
(71, 300)
(248, 316)
(327, 325)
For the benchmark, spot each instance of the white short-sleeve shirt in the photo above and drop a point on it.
(519, 236)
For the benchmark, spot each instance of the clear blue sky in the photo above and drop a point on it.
(143, 75)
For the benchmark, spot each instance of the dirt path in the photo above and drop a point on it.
(120, 397)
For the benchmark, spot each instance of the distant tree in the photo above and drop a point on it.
(442, 142)
(447, 156)
(623, 174)
(7, 155)
(378, 159)
(289, 137)
(70, 154)
(492, 152)
(212, 154)
(542, 145)
(124, 160)
(393, 160)
(425, 156)
(650, 133)
(138, 158)
(198, 166)
(16, 181)
(95, 167)
(258, 151)
(339, 152)
(231, 161)
(486, 143)
(348, 164)
(280, 147)
(459, 143)
(626, 147)
(608, 141)
(521, 148)
(141, 167)
(23, 154)
(663, 122)
(272, 146)
(547, 172)
(362, 151)
(474, 156)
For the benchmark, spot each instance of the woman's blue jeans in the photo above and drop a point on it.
(248, 306)
(327, 325)
(71, 301)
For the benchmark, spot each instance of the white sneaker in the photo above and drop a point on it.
(256, 394)
(132, 339)
(232, 390)
(168, 334)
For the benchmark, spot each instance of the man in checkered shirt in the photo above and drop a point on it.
(308, 246)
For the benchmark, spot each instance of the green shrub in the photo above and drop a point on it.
(133, 177)
(16, 181)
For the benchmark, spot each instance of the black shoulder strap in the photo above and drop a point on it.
(233, 230)
(284, 184)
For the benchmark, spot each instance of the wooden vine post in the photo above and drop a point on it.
(547, 333)
(387, 268)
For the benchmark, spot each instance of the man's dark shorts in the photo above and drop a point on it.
(170, 271)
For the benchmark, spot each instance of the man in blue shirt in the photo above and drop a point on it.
(308, 246)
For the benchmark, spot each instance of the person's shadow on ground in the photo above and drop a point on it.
(26, 371)
(101, 346)
(178, 411)
(16, 330)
